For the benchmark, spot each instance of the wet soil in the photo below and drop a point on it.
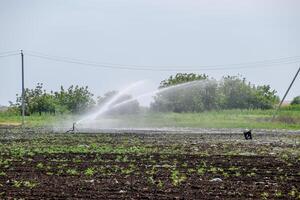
(177, 166)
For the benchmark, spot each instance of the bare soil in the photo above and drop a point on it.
(177, 166)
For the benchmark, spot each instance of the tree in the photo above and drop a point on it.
(182, 78)
(198, 96)
(296, 101)
(235, 93)
(36, 100)
(204, 94)
(265, 97)
(76, 99)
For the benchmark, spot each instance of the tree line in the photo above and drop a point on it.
(75, 99)
(231, 92)
(196, 93)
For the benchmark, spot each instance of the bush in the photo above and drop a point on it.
(75, 99)
(296, 101)
(231, 92)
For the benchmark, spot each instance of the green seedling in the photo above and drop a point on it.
(264, 195)
(40, 165)
(2, 174)
(177, 178)
(201, 171)
(89, 172)
(17, 184)
(278, 194)
(29, 184)
(160, 184)
(72, 172)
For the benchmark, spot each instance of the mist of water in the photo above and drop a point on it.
(108, 104)
(98, 119)
(158, 91)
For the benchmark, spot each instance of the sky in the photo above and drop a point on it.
(156, 33)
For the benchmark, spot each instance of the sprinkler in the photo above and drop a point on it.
(73, 129)
(248, 134)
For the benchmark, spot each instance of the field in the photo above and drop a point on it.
(166, 156)
(287, 118)
(149, 164)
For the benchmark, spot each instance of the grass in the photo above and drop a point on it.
(32, 120)
(287, 118)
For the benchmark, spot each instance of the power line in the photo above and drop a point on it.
(8, 52)
(286, 93)
(87, 64)
(283, 60)
(260, 64)
(256, 64)
(7, 55)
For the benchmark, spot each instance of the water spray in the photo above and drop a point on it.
(107, 105)
(155, 92)
(111, 104)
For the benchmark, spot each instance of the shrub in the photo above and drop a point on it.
(296, 101)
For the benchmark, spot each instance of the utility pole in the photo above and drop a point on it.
(286, 93)
(23, 89)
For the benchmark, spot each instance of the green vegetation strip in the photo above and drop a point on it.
(287, 118)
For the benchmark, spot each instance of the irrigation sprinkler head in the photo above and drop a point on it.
(73, 129)
(248, 134)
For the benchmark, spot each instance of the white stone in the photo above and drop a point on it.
(216, 180)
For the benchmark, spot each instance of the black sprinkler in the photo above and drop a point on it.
(73, 129)
(248, 134)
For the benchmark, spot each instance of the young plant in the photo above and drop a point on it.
(29, 184)
(40, 165)
(2, 174)
(278, 194)
(89, 171)
(201, 171)
(177, 178)
(264, 195)
(17, 184)
(72, 172)
(160, 184)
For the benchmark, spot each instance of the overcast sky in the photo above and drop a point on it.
(146, 32)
